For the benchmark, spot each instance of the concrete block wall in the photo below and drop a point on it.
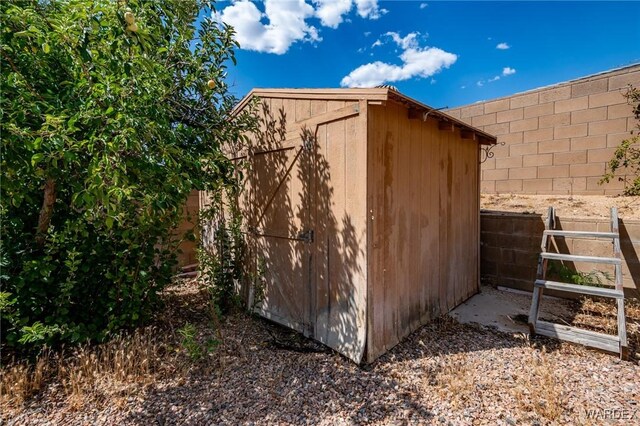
(557, 139)
(510, 245)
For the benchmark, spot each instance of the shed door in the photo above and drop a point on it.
(280, 222)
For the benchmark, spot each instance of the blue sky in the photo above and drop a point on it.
(441, 53)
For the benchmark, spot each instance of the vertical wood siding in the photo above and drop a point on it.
(424, 223)
(187, 248)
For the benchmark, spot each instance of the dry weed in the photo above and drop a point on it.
(91, 373)
(455, 380)
(125, 366)
(540, 390)
(20, 381)
(601, 315)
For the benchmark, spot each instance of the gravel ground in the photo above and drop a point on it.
(445, 373)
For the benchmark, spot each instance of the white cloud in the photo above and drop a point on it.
(463, 87)
(411, 39)
(285, 22)
(423, 5)
(502, 46)
(367, 33)
(376, 43)
(369, 9)
(506, 71)
(330, 11)
(420, 62)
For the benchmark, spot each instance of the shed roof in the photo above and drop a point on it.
(378, 94)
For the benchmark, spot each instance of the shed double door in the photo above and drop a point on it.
(308, 223)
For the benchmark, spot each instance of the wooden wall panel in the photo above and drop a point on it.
(187, 249)
(423, 246)
(394, 206)
(376, 326)
(340, 262)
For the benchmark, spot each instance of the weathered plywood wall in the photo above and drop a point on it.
(187, 250)
(340, 225)
(423, 195)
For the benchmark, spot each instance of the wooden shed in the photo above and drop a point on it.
(362, 211)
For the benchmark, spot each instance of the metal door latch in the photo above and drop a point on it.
(308, 143)
(306, 236)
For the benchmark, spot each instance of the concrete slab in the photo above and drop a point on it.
(507, 311)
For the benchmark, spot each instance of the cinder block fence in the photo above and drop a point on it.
(510, 244)
(557, 139)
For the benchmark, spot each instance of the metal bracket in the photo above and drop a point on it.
(426, 114)
(486, 150)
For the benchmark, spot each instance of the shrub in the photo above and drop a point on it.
(627, 154)
(111, 112)
(222, 257)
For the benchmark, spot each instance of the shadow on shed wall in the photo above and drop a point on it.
(307, 285)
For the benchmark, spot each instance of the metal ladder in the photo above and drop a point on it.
(606, 342)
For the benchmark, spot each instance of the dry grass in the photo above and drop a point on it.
(90, 373)
(601, 315)
(444, 372)
(537, 388)
(454, 380)
(118, 368)
(20, 381)
(540, 390)
(111, 372)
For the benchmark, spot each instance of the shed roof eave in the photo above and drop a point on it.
(483, 137)
(369, 94)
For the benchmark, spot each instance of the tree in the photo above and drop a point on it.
(111, 112)
(627, 154)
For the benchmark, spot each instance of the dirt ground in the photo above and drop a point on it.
(580, 206)
(445, 373)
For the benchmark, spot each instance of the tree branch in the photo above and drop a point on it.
(46, 211)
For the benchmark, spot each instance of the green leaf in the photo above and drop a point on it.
(46, 48)
(36, 158)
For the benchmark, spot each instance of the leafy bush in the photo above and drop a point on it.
(593, 278)
(111, 112)
(222, 257)
(195, 349)
(627, 154)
